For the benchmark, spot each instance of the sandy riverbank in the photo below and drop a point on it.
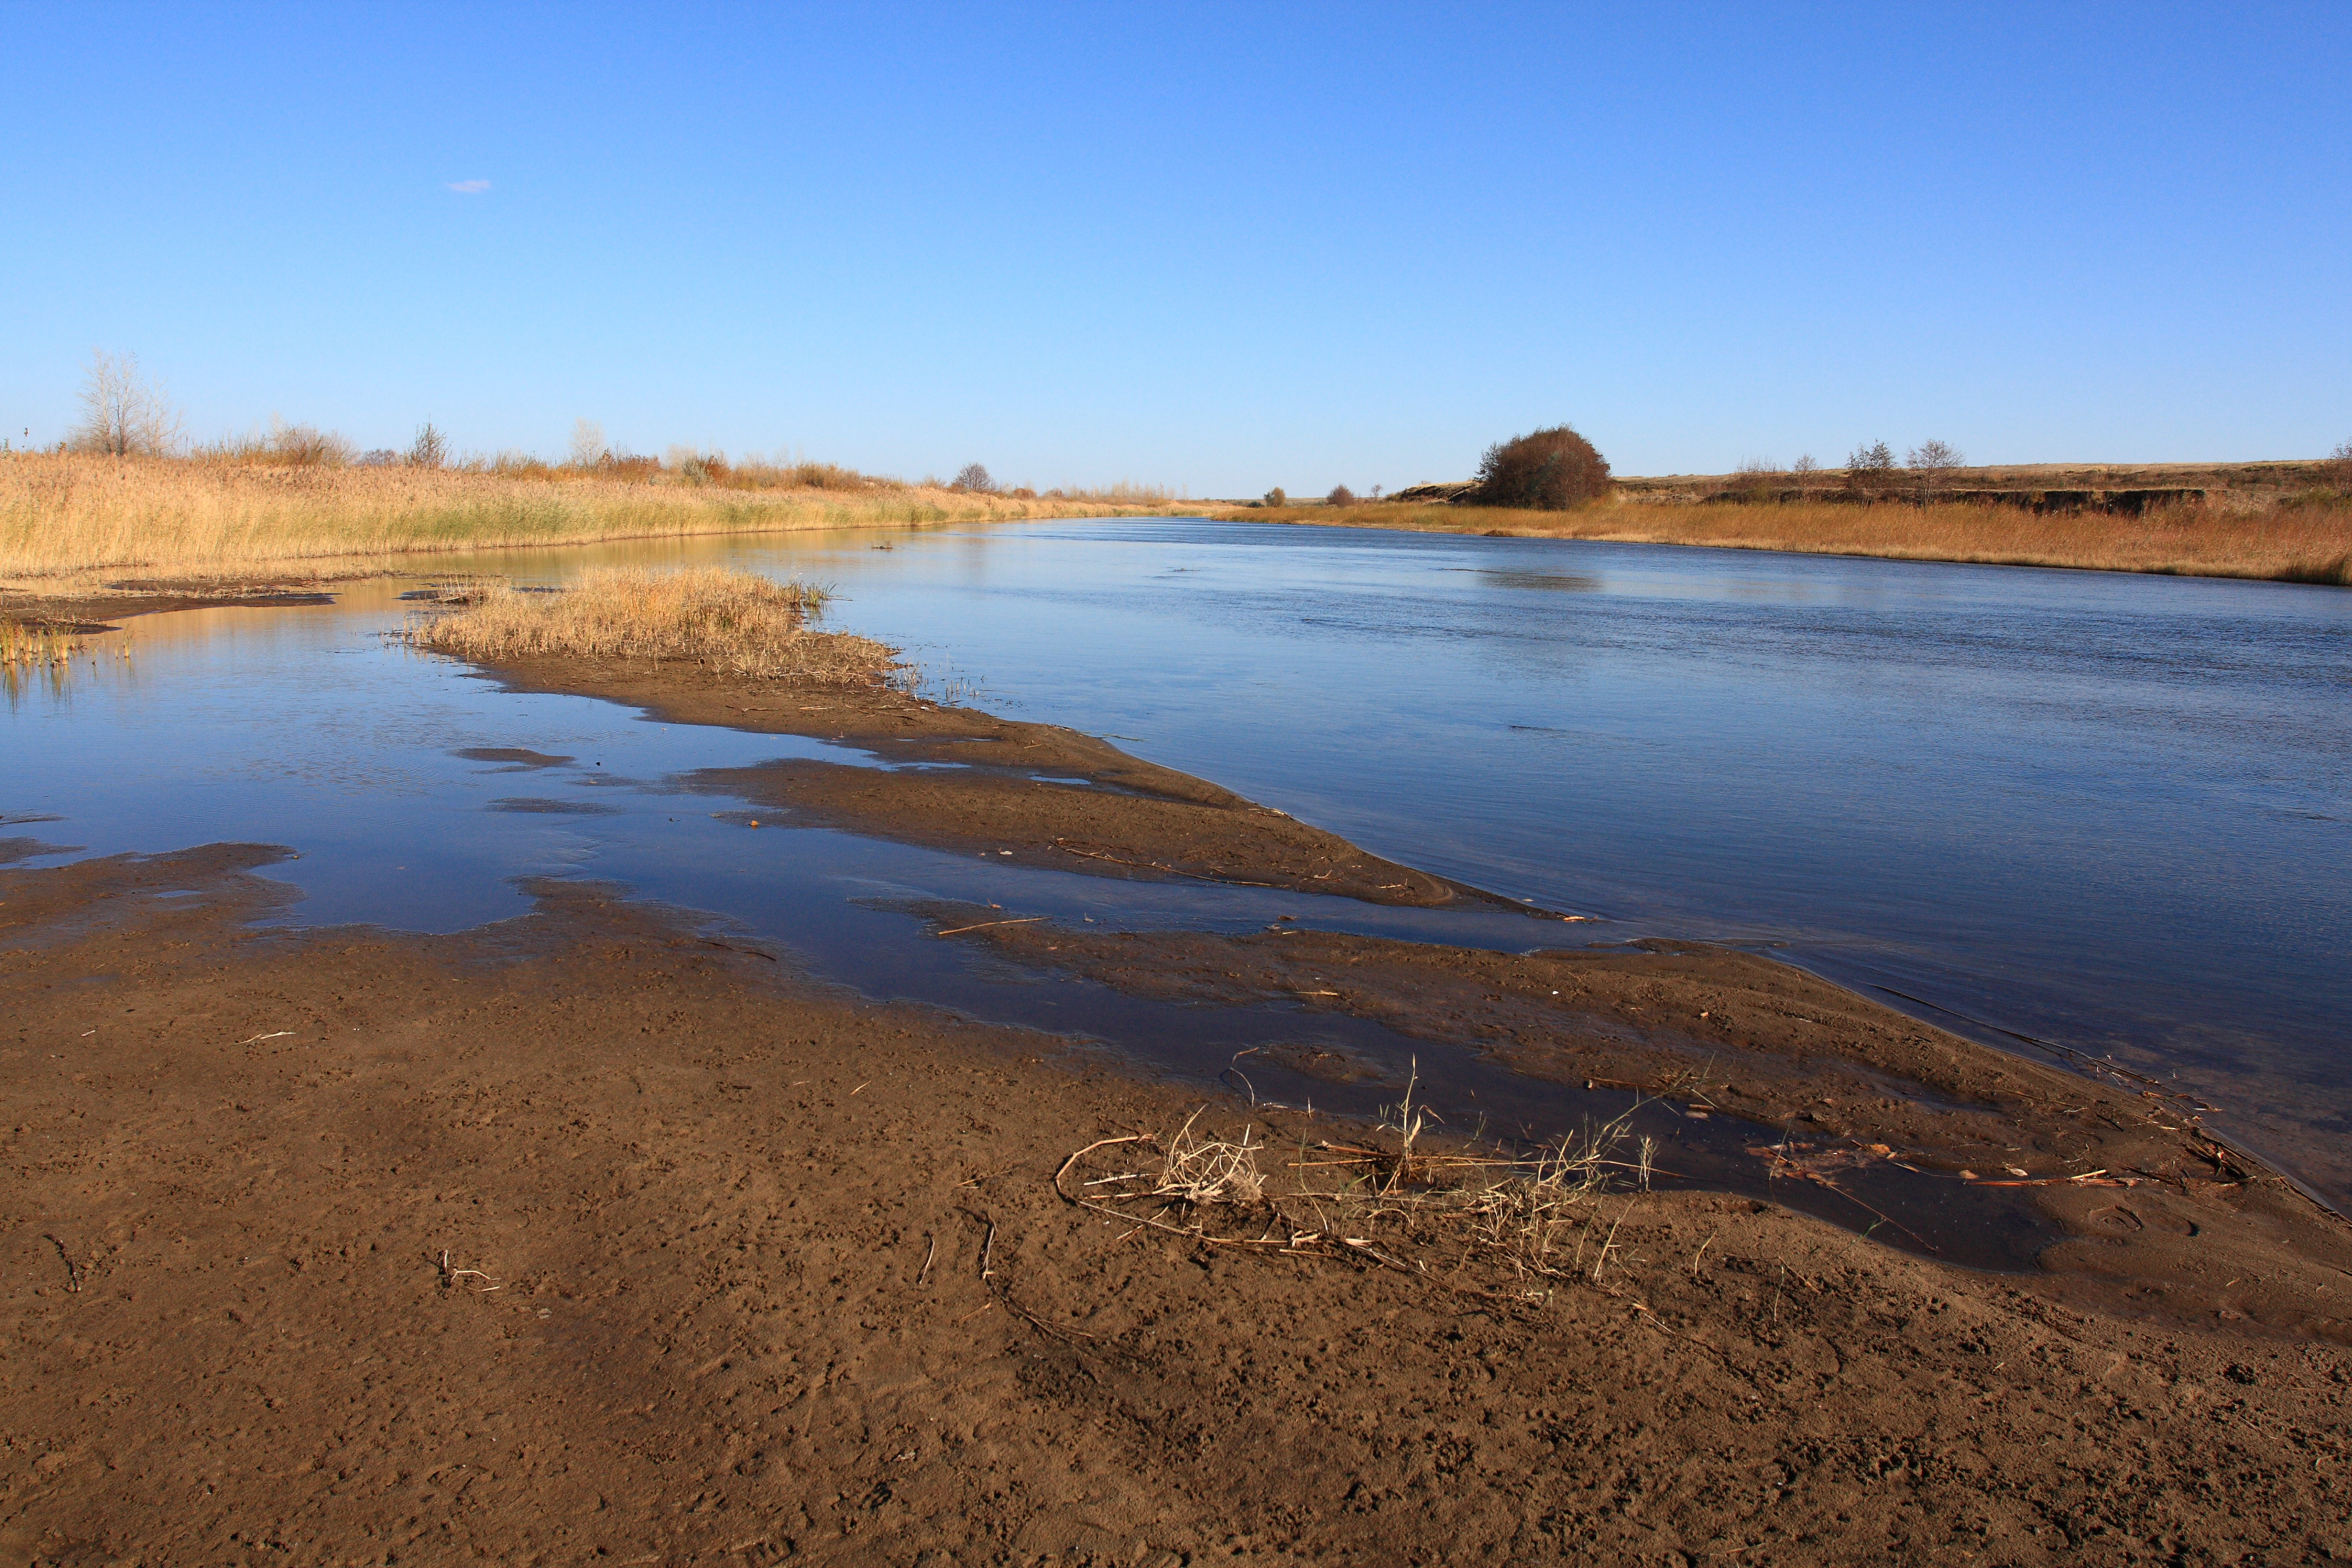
(598, 1233)
(781, 1274)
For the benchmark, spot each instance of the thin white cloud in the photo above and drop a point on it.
(469, 187)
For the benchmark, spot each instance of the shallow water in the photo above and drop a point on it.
(2110, 811)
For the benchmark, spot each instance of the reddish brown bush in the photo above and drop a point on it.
(1544, 470)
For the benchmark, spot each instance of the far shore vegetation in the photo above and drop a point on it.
(71, 522)
(716, 618)
(127, 497)
(128, 503)
(2285, 521)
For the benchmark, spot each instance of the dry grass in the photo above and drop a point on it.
(2294, 543)
(23, 647)
(1385, 1199)
(713, 617)
(35, 655)
(67, 522)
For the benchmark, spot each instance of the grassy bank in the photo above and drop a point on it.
(712, 617)
(69, 521)
(2294, 543)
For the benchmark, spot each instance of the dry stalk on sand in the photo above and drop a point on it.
(1386, 1200)
(724, 620)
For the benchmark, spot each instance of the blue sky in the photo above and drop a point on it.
(1222, 247)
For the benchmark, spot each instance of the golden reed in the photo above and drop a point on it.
(68, 520)
(712, 617)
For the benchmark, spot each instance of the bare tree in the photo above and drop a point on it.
(588, 447)
(1805, 465)
(122, 413)
(430, 449)
(974, 478)
(1933, 462)
(1870, 470)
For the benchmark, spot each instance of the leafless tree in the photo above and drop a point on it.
(588, 447)
(974, 478)
(122, 413)
(430, 449)
(1805, 465)
(1933, 462)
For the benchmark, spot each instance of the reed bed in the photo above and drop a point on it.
(2292, 544)
(35, 654)
(69, 520)
(23, 645)
(711, 617)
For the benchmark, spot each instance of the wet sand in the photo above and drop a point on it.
(592, 1235)
(598, 1234)
(967, 781)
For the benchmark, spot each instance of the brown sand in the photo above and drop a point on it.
(2151, 1203)
(766, 1272)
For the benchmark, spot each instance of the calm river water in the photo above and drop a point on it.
(2111, 811)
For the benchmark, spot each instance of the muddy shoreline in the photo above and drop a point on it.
(605, 1232)
(596, 1232)
(2136, 1194)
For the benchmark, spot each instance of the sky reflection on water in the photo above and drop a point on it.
(2112, 810)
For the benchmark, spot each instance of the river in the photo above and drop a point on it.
(2110, 812)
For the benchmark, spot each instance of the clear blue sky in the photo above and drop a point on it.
(1221, 247)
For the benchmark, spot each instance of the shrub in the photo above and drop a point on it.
(1545, 470)
(285, 446)
(1340, 496)
(1870, 471)
(2336, 469)
(430, 449)
(1276, 497)
(1751, 482)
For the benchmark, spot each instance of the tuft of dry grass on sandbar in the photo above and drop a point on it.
(2291, 543)
(1385, 1198)
(713, 617)
(69, 521)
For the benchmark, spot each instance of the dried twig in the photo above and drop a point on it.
(1025, 920)
(449, 1277)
